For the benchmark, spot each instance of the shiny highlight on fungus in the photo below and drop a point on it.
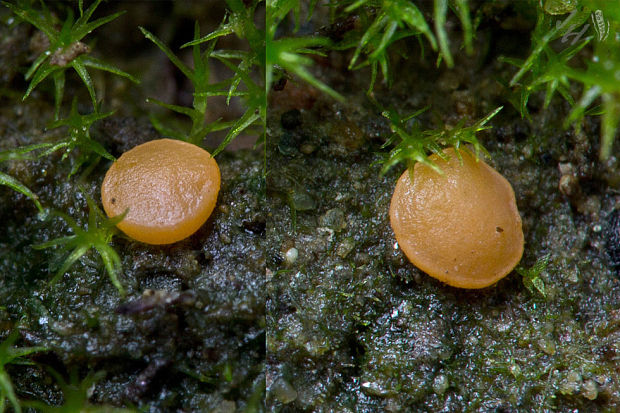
(461, 227)
(169, 188)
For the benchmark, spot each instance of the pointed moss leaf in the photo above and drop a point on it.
(462, 9)
(75, 255)
(175, 60)
(112, 264)
(12, 355)
(22, 152)
(35, 65)
(388, 34)
(7, 390)
(308, 77)
(81, 30)
(84, 16)
(8, 180)
(278, 9)
(42, 72)
(70, 32)
(355, 5)
(29, 15)
(439, 12)
(372, 31)
(83, 73)
(411, 15)
(231, 54)
(98, 64)
(541, 42)
(248, 118)
(54, 243)
(488, 117)
(609, 126)
(96, 147)
(176, 108)
(584, 102)
(221, 31)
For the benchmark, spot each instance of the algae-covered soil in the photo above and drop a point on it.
(354, 327)
(190, 333)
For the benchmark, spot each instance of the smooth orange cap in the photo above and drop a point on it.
(462, 227)
(169, 187)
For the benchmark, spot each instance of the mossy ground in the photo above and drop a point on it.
(351, 325)
(354, 327)
(205, 332)
(190, 333)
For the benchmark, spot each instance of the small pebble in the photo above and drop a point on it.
(333, 219)
(291, 256)
(345, 247)
(283, 391)
(590, 390)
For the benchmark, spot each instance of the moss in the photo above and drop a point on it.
(366, 331)
(190, 333)
(214, 300)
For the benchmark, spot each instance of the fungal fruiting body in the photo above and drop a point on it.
(168, 187)
(461, 227)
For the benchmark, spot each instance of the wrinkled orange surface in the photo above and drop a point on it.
(169, 187)
(463, 227)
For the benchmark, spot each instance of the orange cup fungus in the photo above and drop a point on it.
(463, 227)
(169, 188)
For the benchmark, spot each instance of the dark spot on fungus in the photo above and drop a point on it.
(499, 229)
(113, 200)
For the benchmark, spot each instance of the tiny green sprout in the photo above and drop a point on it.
(66, 49)
(457, 135)
(97, 235)
(546, 30)
(416, 145)
(531, 276)
(75, 394)
(289, 53)
(199, 76)
(22, 153)
(549, 72)
(544, 69)
(240, 21)
(79, 137)
(241, 63)
(12, 355)
(399, 19)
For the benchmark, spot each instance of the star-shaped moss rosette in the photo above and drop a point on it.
(66, 49)
(78, 136)
(98, 234)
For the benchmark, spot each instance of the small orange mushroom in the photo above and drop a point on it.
(463, 227)
(169, 188)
